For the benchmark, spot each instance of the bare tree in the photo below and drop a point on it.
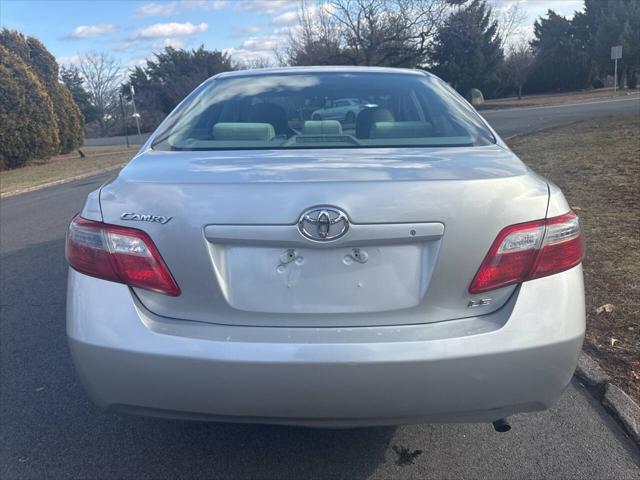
(510, 20)
(366, 32)
(102, 76)
(253, 63)
(315, 40)
(519, 62)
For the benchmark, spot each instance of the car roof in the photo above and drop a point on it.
(319, 69)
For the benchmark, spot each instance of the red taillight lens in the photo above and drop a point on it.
(118, 254)
(530, 250)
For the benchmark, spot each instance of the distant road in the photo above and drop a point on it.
(50, 429)
(516, 121)
(507, 122)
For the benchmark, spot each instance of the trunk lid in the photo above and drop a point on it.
(420, 223)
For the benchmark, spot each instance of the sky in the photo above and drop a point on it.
(132, 30)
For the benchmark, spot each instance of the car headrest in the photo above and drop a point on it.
(401, 130)
(271, 113)
(368, 116)
(322, 127)
(243, 131)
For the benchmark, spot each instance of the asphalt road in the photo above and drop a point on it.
(49, 428)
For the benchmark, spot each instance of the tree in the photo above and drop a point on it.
(518, 65)
(316, 41)
(467, 50)
(72, 79)
(28, 128)
(561, 59)
(34, 54)
(101, 75)
(392, 33)
(605, 23)
(164, 81)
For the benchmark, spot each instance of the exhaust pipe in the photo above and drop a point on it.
(501, 425)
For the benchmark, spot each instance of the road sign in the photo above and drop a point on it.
(616, 52)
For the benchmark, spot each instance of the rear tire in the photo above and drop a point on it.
(316, 117)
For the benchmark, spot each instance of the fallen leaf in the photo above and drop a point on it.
(607, 307)
(613, 341)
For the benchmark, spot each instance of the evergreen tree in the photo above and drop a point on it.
(72, 79)
(67, 114)
(28, 128)
(467, 50)
(562, 62)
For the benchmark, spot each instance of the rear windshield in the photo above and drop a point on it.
(322, 110)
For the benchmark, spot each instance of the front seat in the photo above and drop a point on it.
(270, 113)
(367, 117)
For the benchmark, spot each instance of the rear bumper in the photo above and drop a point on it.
(517, 359)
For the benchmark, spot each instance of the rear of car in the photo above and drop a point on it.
(254, 264)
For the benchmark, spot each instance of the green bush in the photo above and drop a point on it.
(28, 127)
(33, 53)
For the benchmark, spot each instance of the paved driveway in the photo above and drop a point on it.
(48, 427)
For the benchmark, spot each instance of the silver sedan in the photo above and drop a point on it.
(250, 266)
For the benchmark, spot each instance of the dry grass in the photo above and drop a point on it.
(597, 165)
(62, 167)
(554, 99)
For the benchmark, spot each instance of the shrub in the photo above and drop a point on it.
(28, 127)
(34, 54)
(597, 83)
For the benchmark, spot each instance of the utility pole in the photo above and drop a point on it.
(124, 121)
(136, 115)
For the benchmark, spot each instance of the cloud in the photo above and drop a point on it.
(205, 4)
(171, 42)
(171, 29)
(265, 6)
(286, 18)
(242, 55)
(90, 31)
(155, 9)
(263, 43)
(68, 59)
(249, 30)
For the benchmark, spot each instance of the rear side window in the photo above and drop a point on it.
(286, 110)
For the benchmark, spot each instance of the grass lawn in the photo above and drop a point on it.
(555, 98)
(62, 167)
(597, 165)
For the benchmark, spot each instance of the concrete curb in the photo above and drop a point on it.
(61, 181)
(621, 405)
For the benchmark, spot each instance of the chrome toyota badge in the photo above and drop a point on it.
(323, 224)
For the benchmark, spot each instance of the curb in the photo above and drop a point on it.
(623, 408)
(61, 181)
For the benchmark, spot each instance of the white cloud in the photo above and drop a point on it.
(156, 9)
(68, 59)
(171, 29)
(90, 31)
(265, 6)
(249, 30)
(286, 18)
(263, 43)
(205, 4)
(242, 55)
(171, 42)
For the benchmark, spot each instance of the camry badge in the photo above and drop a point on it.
(139, 217)
(323, 224)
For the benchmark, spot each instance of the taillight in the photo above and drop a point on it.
(118, 254)
(530, 250)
